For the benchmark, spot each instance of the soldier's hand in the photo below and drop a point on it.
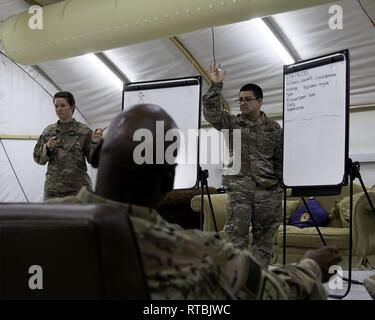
(51, 143)
(97, 135)
(215, 73)
(324, 257)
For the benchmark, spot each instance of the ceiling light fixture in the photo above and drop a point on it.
(106, 71)
(273, 41)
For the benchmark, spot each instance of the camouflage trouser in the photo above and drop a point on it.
(51, 195)
(53, 187)
(261, 208)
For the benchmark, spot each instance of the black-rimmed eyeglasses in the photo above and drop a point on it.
(244, 100)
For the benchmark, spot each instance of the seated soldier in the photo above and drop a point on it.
(179, 263)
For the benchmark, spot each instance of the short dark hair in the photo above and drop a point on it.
(67, 95)
(258, 92)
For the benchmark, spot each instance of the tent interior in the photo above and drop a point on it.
(25, 89)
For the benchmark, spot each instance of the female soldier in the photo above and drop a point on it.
(65, 145)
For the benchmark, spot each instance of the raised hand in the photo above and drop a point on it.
(215, 73)
(324, 257)
(97, 135)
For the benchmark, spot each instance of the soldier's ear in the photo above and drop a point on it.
(95, 159)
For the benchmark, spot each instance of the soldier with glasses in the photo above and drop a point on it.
(255, 193)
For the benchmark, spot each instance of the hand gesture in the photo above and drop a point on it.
(215, 73)
(51, 143)
(96, 136)
(324, 257)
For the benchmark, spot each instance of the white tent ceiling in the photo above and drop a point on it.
(239, 47)
(10, 7)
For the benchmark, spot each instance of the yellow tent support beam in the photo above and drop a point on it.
(18, 137)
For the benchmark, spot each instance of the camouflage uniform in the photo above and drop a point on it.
(191, 264)
(255, 194)
(67, 171)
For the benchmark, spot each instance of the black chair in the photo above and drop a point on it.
(84, 251)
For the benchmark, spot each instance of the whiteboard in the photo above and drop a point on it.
(315, 122)
(181, 99)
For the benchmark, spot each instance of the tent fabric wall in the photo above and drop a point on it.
(11, 7)
(10, 190)
(25, 109)
(30, 175)
(362, 133)
(253, 61)
(137, 61)
(96, 97)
